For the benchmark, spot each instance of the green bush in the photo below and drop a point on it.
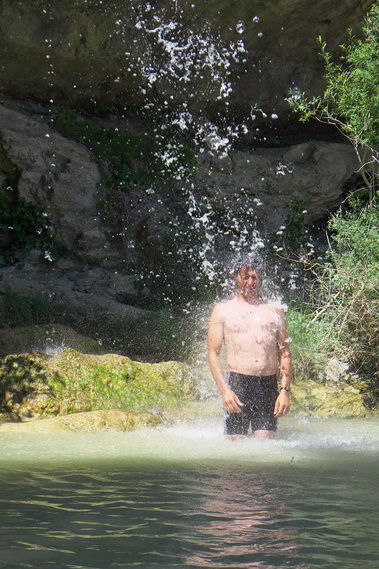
(345, 295)
(313, 342)
(355, 279)
(20, 310)
(342, 318)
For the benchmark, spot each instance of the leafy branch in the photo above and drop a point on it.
(350, 101)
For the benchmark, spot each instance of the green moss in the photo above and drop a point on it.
(70, 382)
(131, 161)
(23, 227)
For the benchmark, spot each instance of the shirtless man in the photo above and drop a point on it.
(255, 336)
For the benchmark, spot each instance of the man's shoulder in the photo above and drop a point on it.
(277, 309)
(225, 306)
(275, 305)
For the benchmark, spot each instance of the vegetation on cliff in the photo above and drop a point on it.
(351, 98)
(23, 227)
(341, 317)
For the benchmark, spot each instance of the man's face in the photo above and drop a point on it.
(248, 282)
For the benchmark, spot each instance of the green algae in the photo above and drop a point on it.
(39, 384)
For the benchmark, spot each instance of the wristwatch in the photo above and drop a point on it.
(285, 388)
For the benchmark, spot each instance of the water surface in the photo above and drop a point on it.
(185, 497)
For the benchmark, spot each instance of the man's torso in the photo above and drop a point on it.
(250, 335)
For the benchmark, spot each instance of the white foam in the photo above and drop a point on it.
(298, 441)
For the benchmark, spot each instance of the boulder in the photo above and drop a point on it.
(311, 398)
(266, 185)
(112, 420)
(47, 339)
(115, 420)
(38, 384)
(67, 383)
(59, 176)
(65, 290)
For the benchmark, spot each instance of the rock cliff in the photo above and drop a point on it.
(216, 56)
(237, 197)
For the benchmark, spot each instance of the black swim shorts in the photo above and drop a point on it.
(258, 393)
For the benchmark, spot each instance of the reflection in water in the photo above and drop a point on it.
(245, 524)
(96, 519)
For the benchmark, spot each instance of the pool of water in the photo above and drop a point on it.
(185, 497)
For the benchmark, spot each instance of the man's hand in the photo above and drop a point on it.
(282, 404)
(231, 402)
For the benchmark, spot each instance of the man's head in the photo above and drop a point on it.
(247, 274)
(247, 261)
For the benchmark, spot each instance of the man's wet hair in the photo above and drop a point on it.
(249, 262)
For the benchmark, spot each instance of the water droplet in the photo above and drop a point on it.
(240, 27)
(295, 93)
(256, 19)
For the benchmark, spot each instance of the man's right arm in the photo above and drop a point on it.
(215, 339)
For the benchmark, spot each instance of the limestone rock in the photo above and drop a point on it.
(75, 291)
(268, 183)
(55, 174)
(45, 338)
(112, 420)
(38, 384)
(259, 188)
(328, 400)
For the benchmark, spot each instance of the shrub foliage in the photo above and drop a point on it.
(345, 298)
(351, 98)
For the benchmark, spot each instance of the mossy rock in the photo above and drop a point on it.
(117, 420)
(45, 338)
(39, 384)
(112, 420)
(328, 400)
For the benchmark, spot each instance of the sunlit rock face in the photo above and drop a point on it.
(259, 188)
(236, 199)
(267, 184)
(215, 56)
(57, 175)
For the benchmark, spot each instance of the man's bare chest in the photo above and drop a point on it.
(253, 323)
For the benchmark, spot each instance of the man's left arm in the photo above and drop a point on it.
(283, 402)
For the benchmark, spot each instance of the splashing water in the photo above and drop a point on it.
(181, 56)
(178, 55)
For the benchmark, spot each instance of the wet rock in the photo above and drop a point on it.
(269, 183)
(49, 338)
(69, 383)
(80, 295)
(328, 400)
(259, 188)
(56, 174)
(89, 422)
(40, 385)
(114, 420)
